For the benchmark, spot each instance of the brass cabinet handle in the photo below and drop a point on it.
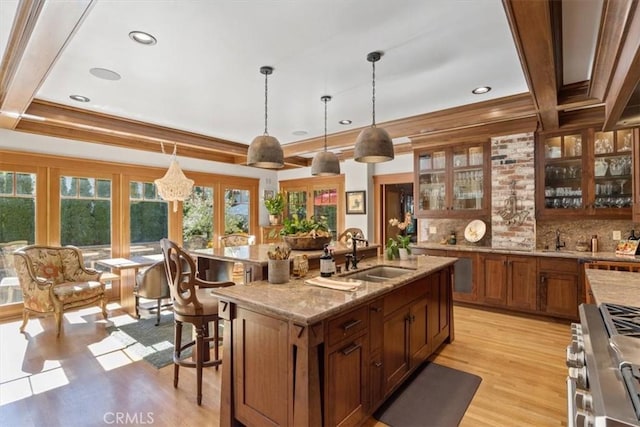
(350, 349)
(377, 364)
(376, 309)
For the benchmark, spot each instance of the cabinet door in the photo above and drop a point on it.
(395, 362)
(559, 295)
(465, 270)
(522, 284)
(493, 289)
(347, 384)
(439, 323)
(419, 337)
(636, 176)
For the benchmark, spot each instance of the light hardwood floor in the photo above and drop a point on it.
(84, 378)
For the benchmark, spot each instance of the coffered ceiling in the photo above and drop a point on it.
(200, 87)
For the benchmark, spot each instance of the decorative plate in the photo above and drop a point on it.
(475, 230)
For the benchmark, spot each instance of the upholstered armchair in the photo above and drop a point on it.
(54, 280)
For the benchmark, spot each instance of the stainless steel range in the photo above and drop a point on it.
(603, 386)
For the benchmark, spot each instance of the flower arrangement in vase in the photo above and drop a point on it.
(399, 247)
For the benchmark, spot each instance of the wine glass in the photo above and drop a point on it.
(622, 182)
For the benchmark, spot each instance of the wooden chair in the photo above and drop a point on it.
(237, 239)
(192, 303)
(346, 235)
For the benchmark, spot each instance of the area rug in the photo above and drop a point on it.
(154, 344)
(434, 396)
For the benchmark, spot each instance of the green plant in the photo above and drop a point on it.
(295, 226)
(403, 242)
(275, 204)
(392, 249)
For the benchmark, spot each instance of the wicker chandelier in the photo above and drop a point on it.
(174, 186)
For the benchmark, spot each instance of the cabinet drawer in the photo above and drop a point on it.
(558, 264)
(404, 295)
(348, 325)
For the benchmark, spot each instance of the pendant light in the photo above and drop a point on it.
(374, 144)
(265, 150)
(325, 163)
(174, 186)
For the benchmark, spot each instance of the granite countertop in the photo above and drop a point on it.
(617, 287)
(587, 256)
(307, 304)
(257, 254)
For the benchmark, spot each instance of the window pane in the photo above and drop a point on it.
(135, 189)
(17, 228)
(85, 221)
(103, 189)
(236, 211)
(149, 221)
(149, 191)
(325, 204)
(6, 182)
(297, 204)
(26, 184)
(87, 187)
(197, 218)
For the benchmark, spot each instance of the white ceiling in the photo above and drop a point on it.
(203, 74)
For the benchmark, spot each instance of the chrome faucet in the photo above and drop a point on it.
(558, 243)
(352, 258)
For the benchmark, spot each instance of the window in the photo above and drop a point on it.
(197, 219)
(236, 211)
(318, 197)
(148, 216)
(17, 227)
(85, 216)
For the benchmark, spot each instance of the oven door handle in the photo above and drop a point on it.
(572, 410)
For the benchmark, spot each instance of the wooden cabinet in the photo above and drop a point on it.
(509, 281)
(347, 400)
(465, 285)
(376, 374)
(411, 332)
(452, 181)
(585, 173)
(559, 290)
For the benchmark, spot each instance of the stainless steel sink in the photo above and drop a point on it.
(379, 273)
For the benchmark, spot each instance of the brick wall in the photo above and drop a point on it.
(512, 163)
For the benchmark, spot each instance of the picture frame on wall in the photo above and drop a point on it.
(356, 202)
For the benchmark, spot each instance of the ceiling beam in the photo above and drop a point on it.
(531, 26)
(495, 110)
(626, 73)
(33, 49)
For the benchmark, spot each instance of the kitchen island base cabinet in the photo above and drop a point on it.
(277, 372)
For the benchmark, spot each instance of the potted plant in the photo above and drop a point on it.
(275, 207)
(306, 233)
(399, 247)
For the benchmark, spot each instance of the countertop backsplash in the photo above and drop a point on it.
(575, 230)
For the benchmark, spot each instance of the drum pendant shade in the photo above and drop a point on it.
(265, 151)
(325, 163)
(373, 145)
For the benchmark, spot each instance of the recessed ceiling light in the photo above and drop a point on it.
(79, 98)
(345, 122)
(103, 73)
(299, 132)
(142, 38)
(480, 90)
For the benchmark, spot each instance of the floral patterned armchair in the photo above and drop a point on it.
(54, 280)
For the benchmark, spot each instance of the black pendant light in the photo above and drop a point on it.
(325, 163)
(374, 144)
(265, 150)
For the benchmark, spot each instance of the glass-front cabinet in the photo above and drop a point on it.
(452, 181)
(586, 173)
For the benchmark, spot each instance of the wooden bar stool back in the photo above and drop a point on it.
(192, 303)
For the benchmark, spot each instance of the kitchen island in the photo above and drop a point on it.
(301, 355)
(215, 263)
(616, 287)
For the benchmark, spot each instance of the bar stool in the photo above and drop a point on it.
(192, 303)
(151, 283)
